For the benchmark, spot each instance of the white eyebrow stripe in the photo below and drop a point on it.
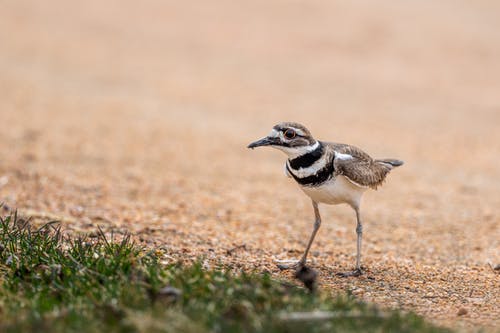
(274, 133)
(298, 131)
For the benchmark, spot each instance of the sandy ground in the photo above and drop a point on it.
(136, 117)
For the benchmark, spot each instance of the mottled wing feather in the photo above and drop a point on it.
(361, 168)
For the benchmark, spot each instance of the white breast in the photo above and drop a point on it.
(336, 191)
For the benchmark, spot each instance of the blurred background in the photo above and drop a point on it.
(135, 116)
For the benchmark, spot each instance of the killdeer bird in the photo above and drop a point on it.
(329, 173)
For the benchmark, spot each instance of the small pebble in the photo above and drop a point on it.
(462, 312)
(358, 291)
(77, 211)
(170, 293)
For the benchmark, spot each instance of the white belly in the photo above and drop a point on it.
(336, 191)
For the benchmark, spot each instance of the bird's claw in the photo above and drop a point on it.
(355, 273)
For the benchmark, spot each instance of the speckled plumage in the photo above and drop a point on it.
(362, 169)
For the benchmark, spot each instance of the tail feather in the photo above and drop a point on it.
(392, 162)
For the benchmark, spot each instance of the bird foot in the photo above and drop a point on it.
(290, 264)
(354, 273)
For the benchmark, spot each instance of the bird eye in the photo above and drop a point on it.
(290, 133)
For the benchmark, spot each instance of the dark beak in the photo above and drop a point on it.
(267, 141)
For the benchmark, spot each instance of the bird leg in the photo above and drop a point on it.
(302, 261)
(359, 233)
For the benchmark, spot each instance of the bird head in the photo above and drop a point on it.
(292, 138)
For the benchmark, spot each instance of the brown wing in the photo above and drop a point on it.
(361, 168)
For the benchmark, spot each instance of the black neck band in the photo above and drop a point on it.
(308, 159)
(317, 179)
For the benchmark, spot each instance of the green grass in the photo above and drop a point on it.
(53, 283)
